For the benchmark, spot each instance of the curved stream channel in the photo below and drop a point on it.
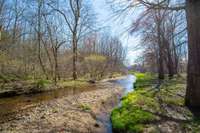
(127, 82)
(14, 104)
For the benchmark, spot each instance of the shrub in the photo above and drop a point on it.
(42, 83)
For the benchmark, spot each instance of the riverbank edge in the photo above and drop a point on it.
(65, 113)
(29, 87)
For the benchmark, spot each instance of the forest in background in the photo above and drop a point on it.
(163, 34)
(170, 36)
(54, 40)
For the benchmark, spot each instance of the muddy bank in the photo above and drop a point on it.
(81, 113)
(17, 88)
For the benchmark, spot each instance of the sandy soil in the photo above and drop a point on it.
(87, 112)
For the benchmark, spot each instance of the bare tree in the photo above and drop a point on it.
(43, 39)
(78, 22)
(53, 32)
(192, 8)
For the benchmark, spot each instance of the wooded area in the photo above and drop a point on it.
(170, 35)
(50, 39)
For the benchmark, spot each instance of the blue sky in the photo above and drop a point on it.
(117, 27)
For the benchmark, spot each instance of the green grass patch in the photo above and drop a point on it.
(73, 83)
(130, 119)
(144, 79)
(85, 107)
(133, 115)
(172, 91)
(8, 78)
(42, 83)
(142, 99)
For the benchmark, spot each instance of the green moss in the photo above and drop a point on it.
(130, 119)
(142, 99)
(144, 79)
(135, 111)
(136, 128)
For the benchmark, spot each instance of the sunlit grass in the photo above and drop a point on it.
(73, 83)
(144, 79)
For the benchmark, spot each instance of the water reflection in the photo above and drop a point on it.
(127, 83)
(14, 104)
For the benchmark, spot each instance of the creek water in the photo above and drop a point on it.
(14, 104)
(127, 82)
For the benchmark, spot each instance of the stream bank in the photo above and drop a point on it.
(153, 109)
(83, 112)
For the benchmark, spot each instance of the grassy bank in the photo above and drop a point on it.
(152, 109)
(12, 85)
(30, 86)
(9, 81)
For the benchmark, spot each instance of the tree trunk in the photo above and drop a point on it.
(160, 66)
(193, 79)
(74, 56)
(161, 56)
(55, 53)
(39, 38)
(176, 57)
(170, 64)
